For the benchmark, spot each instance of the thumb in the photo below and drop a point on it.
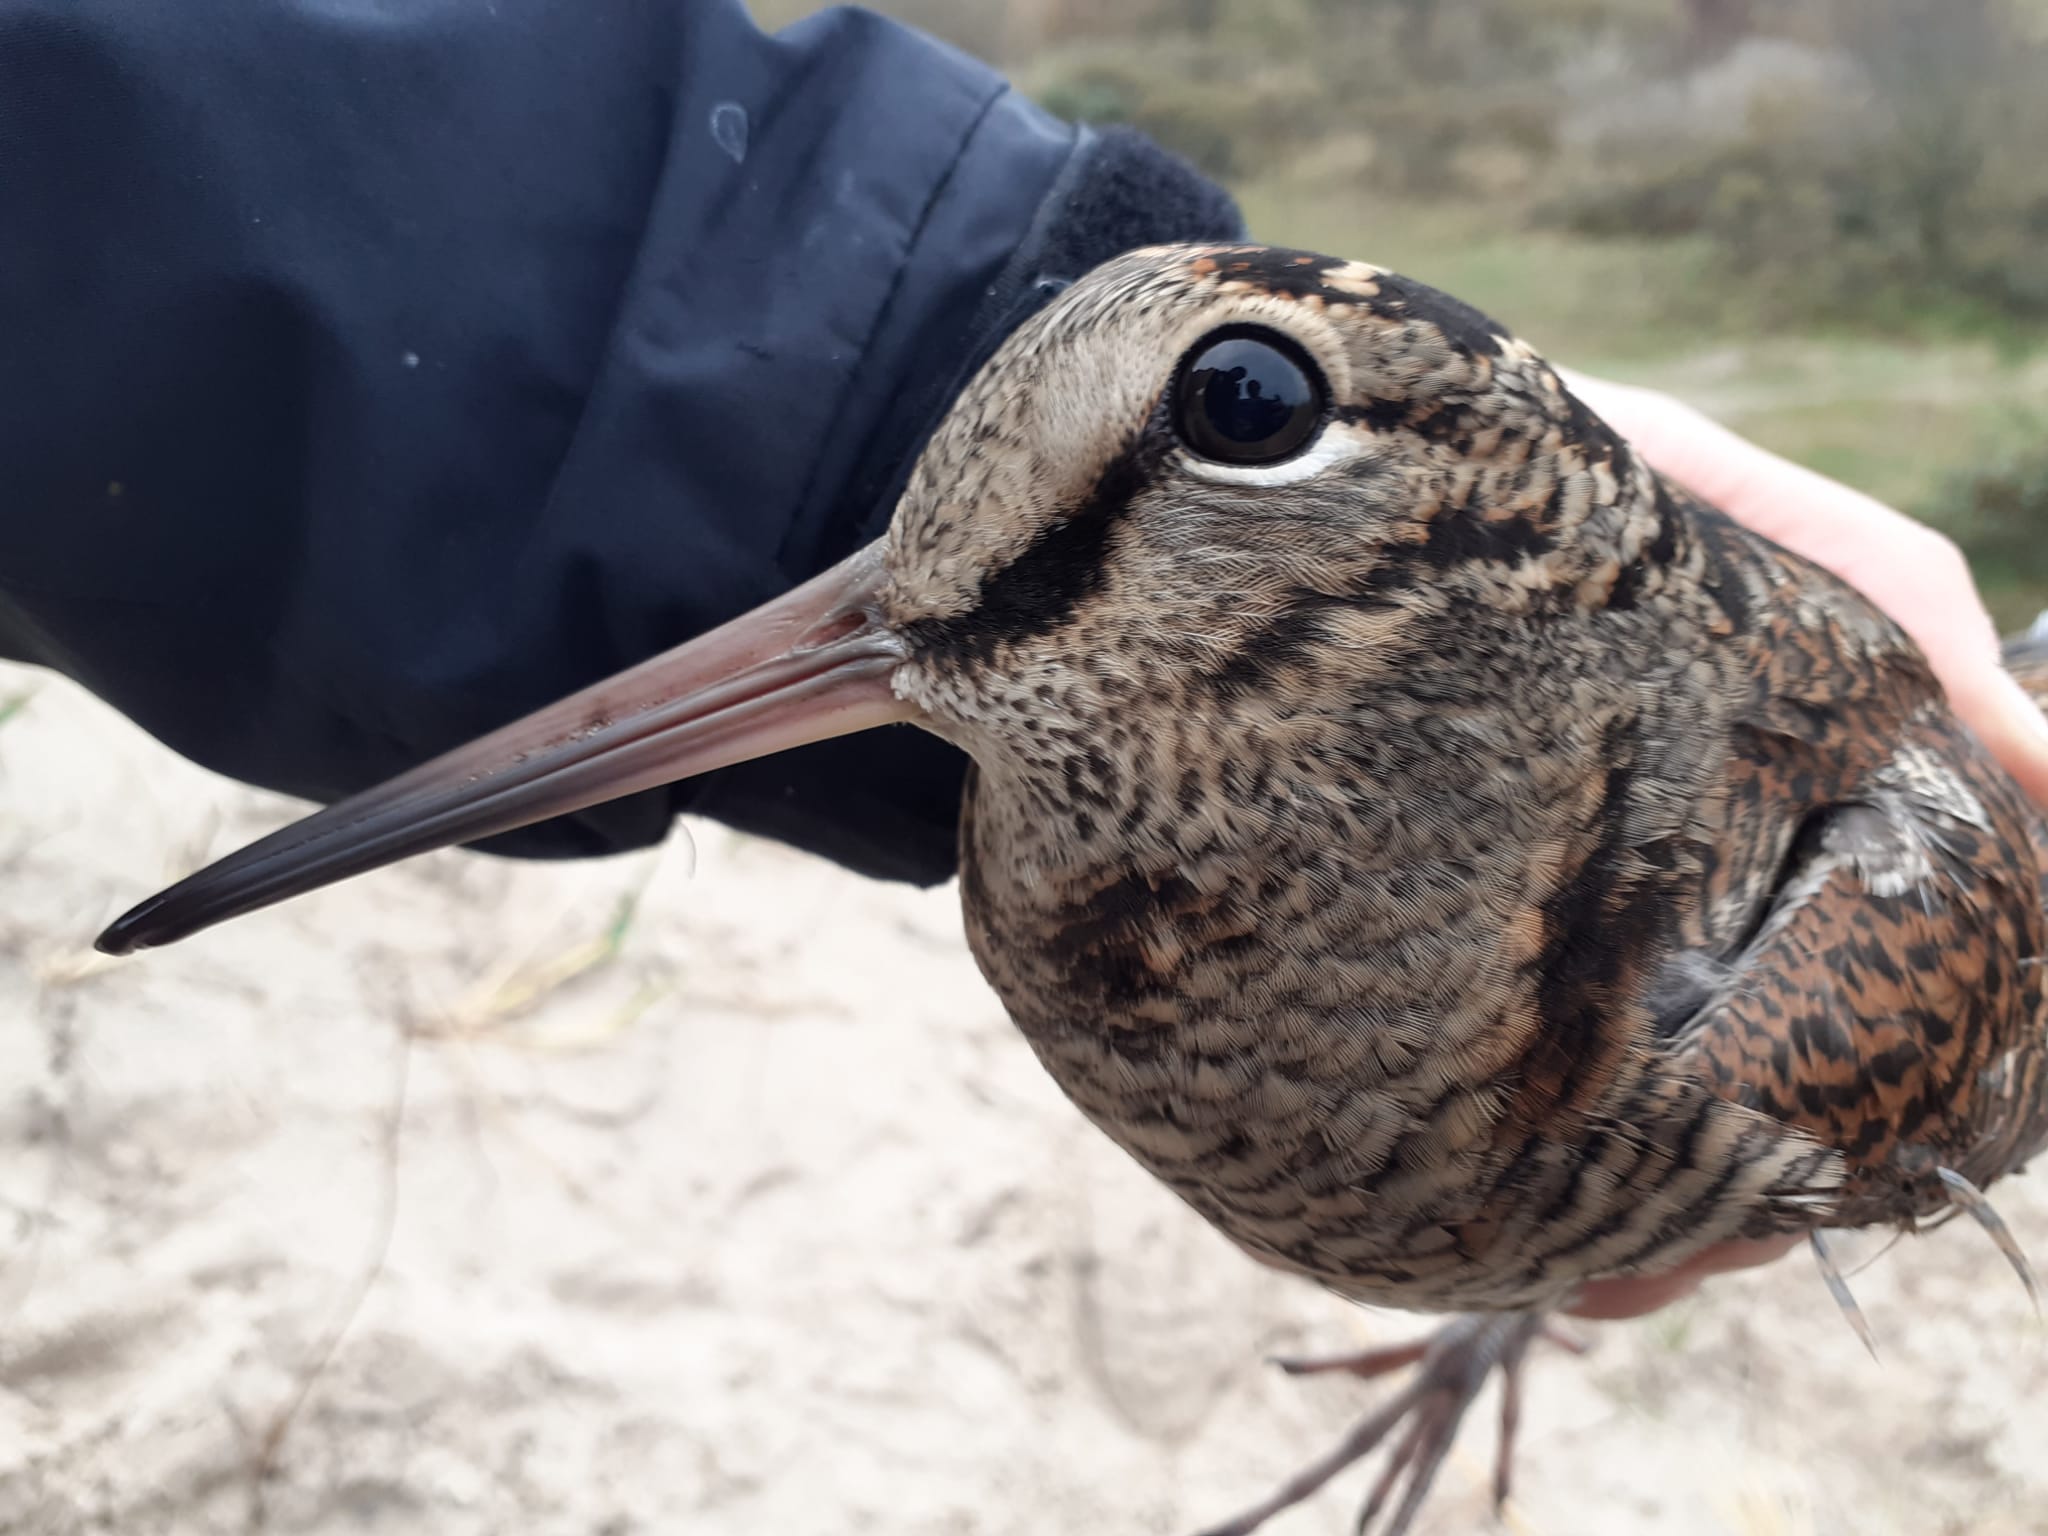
(2008, 718)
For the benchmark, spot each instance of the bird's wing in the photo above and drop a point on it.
(1885, 993)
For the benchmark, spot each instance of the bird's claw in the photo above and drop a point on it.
(1450, 1368)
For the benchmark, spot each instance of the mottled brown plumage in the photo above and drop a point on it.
(1455, 862)
(1472, 867)
(1466, 866)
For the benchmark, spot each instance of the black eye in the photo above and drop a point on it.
(1248, 396)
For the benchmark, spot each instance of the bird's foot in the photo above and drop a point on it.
(1450, 1367)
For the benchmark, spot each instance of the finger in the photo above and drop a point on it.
(1613, 1301)
(1625, 1296)
(2008, 722)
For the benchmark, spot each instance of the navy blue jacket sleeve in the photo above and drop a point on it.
(373, 374)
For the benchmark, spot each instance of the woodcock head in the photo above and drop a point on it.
(1222, 487)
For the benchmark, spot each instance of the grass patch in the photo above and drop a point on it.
(1575, 297)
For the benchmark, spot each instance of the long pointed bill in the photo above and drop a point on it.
(811, 664)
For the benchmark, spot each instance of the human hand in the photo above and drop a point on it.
(1625, 1296)
(1914, 574)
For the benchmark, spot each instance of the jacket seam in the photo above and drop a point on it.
(804, 522)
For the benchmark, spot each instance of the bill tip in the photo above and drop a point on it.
(127, 933)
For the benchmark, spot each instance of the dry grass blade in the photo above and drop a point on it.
(270, 1443)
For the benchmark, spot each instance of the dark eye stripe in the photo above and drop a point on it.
(1040, 589)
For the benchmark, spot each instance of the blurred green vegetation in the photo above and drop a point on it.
(1823, 221)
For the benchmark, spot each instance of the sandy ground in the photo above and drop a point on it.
(422, 1207)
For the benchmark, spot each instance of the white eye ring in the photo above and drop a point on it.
(1337, 444)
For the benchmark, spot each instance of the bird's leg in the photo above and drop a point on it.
(1450, 1368)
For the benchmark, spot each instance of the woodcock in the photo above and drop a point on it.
(1456, 863)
